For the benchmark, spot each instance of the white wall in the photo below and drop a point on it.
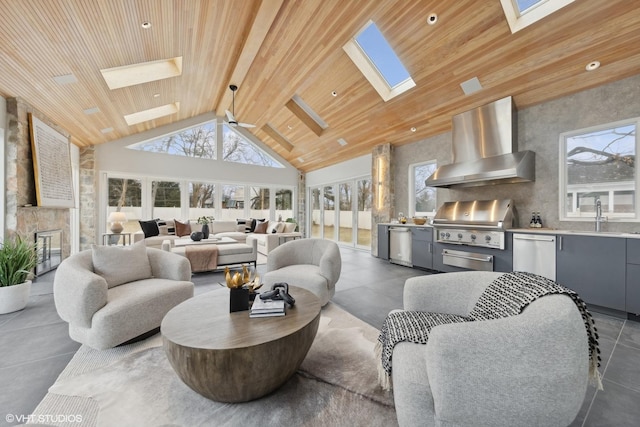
(115, 157)
(349, 169)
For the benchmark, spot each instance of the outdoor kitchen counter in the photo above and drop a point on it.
(576, 232)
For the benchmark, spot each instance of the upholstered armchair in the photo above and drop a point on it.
(110, 295)
(313, 264)
(529, 369)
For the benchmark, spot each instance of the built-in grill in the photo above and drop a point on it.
(478, 223)
(475, 223)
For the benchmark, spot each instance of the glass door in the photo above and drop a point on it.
(363, 213)
(345, 213)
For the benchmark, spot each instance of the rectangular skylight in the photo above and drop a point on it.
(522, 13)
(134, 74)
(377, 48)
(153, 113)
(376, 59)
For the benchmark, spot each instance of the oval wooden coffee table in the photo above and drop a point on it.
(230, 357)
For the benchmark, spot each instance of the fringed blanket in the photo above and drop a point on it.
(506, 296)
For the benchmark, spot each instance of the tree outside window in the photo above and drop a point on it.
(422, 198)
(599, 164)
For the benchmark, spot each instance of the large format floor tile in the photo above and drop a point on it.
(35, 344)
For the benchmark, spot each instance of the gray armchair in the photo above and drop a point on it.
(313, 264)
(110, 295)
(530, 369)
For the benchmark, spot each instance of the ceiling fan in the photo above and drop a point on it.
(231, 118)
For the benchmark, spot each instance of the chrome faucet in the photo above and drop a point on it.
(599, 218)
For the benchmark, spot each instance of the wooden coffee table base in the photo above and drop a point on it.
(229, 357)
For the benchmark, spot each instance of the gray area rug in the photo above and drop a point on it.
(135, 386)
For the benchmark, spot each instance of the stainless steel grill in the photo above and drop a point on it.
(479, 223)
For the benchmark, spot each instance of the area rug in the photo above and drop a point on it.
(134, 385)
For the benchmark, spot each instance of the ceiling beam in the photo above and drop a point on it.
(277, 137)
(261, 25)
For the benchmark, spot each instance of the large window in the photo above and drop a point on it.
(259, 203)
(201, 199)
(365, 200)
(316, 213)
(198, 141)
(236, 148)
(422, 199)
(125, 195)
(284, 203)
(166, 199)
(599, 164)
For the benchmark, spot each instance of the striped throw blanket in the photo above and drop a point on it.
(506, 296)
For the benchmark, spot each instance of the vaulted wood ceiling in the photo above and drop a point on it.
(275, 49)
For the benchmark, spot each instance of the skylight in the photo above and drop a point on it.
(376, 59)
(522, 13)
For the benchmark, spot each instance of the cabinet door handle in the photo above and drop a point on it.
(430, 248)
(560, 242)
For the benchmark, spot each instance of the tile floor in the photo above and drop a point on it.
(35, 346)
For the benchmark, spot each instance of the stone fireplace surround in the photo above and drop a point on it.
(22, 217)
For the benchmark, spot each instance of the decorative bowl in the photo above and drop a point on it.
(196, 236)
(419, 221)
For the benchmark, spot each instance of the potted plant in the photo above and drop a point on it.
(17, 260)
(204, 221)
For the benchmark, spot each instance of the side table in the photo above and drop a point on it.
(114, 239)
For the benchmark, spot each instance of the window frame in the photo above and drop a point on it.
(412, 189)
(563, 191)
(518, 21)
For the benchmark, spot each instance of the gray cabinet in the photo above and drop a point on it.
(422, 247)
(633, 276)
(594, 267)
(383, 241)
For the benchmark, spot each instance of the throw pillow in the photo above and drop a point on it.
(289, 227)
(254, 222)
(149, 228)
(246, 223)
(121, 264)
(167, 227)
(182, 228)
(276, 227)
(261, 227)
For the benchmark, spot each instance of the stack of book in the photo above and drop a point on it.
(266, 307)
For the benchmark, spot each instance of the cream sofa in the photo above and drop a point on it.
(221, 228)
(217, 228)
(228, 253)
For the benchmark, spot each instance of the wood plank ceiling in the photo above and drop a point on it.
(275, 49)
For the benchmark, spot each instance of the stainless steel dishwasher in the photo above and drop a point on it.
(400, 246)
(536, 254)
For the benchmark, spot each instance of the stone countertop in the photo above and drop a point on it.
(575, 232)
(408, 224)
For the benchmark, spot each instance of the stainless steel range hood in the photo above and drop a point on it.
(484, 149)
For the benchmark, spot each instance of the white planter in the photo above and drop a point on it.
(14, 298)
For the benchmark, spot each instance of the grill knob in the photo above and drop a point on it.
(459, 235)
(473, 237)
(448, 235)
(442, 235)
(487, 238)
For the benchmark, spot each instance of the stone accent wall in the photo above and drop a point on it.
(88, 200)
(302, 205)
(382, 172)
(23, 217)
(539, 129)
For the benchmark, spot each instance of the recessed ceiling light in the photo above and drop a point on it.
(334, 93)
(156, 95)
(146, 25)
(413, 129)
(432, 19)
(593, 65)
(300, 159)
(92, 110)
(342, 142)
(65, 79)
(152, 113)
(106, 130)
(289, 127)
